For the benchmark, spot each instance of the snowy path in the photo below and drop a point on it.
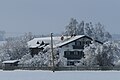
(61, 75)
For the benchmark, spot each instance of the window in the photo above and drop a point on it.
(73, 54)
(77, 43)
(88, 42)
(78, 46)
(76, 53)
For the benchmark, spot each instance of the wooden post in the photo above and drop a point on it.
(53, 65)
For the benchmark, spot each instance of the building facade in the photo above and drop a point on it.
(68, 48)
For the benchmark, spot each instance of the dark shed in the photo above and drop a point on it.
(10, 65)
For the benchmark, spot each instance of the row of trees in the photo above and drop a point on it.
(96, 31)
(15, 47)
(95, 55)
(107, 54)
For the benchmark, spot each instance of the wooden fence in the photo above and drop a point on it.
(69, 68)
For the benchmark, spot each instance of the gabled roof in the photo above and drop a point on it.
(33, 43)
(69, 40)
(72, 39)
(57, 42)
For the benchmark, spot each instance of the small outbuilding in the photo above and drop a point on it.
(10, 65)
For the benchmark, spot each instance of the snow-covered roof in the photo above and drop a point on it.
(57, 42)
(69, 40)
(10, 61)
(33, 43)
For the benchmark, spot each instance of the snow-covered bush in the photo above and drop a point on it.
(25, 58)
(101, 55)
(110, 53)
(90, 56)
(62, 62)
(15, 47)
(42, 59)
(28, 60)
(4, 57)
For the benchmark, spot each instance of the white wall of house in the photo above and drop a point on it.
(69, 47)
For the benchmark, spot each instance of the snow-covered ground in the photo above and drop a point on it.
(59, 75)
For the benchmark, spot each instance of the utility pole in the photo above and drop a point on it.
(53, 65)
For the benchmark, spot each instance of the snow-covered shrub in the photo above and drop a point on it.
(15, 47)
(62, 62)
(90, 56)
(110, 54)
(101, 55)
(3, 56)
(28, 60)
(42, 59)
(25, 58)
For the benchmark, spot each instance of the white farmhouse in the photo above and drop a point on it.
(70, 48)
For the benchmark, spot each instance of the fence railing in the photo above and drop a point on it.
(68, 68)
(33, 67)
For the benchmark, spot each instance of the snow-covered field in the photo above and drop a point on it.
(59, 75)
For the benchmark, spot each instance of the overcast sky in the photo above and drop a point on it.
(46, 16)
